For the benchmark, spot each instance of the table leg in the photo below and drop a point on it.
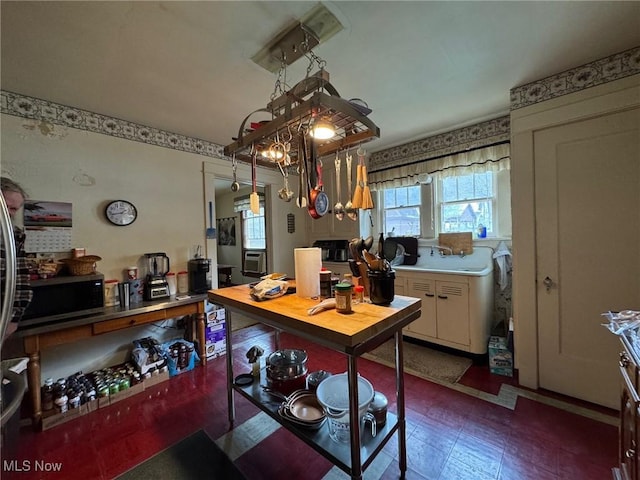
(33, 381)
(202, 347)
(354, 421)
(227, 336)
(402, 424)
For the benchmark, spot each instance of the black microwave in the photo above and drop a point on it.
(61, 298)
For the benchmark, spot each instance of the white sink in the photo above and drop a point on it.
(479, 263)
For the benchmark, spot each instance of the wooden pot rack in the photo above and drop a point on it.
(297, 107)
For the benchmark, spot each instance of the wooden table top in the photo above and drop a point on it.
(346, 332)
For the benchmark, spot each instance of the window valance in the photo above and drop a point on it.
(485, 159)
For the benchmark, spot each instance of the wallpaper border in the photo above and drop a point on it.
(44, 110)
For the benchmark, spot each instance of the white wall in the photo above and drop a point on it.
(170, 189)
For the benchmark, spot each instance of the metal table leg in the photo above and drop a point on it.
(229, 355)
(402, 424)
(354, 423)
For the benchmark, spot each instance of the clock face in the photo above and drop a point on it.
(121, 212)
(322, 203)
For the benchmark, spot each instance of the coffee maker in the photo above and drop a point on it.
(199, 275)
(156, 287)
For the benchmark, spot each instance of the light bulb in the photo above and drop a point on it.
(322, 130)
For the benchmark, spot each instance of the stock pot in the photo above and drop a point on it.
(287, 370)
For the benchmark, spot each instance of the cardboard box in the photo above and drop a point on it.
(217, 315)
(500, 357)
(214, 335)
(116, 397)
(55, 419)
(156, 379)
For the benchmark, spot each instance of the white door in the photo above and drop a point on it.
(587, 202)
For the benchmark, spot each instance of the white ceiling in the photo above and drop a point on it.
(185, 67)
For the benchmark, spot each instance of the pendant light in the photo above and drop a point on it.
(322, 129)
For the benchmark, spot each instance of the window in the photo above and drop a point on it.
(253, 230)
(401, 211)
(466, 203)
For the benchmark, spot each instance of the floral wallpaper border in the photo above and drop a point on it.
(605, 70)
(473, 136)
(38, 109)
(611, 68)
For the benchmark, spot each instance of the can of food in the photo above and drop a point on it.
(79, 252)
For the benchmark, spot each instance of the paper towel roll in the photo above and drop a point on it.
(308, 263)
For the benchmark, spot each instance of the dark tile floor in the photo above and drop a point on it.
(450, 434)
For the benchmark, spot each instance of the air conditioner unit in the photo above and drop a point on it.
(254, 263)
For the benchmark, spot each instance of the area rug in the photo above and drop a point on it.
(196, 457)
(422, 361)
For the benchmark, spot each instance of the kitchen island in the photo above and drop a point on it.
(350, 334)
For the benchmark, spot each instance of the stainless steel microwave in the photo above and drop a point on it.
(60, 298)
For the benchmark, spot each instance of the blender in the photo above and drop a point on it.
(156, 286)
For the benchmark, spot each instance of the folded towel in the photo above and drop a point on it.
(502, 256)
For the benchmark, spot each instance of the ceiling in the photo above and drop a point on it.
(185, 67)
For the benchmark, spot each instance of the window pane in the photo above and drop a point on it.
(466, 216)
(402, 221)
(253, 229)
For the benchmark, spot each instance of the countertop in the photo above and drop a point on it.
(110, 313)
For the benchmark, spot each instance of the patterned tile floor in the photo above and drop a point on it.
(484, 427)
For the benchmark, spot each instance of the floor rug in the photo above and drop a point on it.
(195, 457)
(422, 361)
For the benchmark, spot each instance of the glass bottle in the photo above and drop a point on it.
(47, 395)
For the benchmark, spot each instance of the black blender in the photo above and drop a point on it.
(156, 286)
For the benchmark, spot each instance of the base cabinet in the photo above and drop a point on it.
(456, 310)
(628, 468)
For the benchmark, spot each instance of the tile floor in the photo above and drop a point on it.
(462, 433)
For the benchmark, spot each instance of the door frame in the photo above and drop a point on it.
(595, 101)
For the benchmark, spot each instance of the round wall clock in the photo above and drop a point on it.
(121, 212)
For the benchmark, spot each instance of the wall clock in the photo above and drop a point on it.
(121, 212)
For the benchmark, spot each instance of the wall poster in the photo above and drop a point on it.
(226, 231)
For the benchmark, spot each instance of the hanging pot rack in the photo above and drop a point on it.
(293, 113)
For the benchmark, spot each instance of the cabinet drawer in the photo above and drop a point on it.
(127, 322)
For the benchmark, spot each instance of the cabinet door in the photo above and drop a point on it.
(452, 304)
(426, 291)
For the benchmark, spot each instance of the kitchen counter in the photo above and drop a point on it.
(113, 318)
(352, 334)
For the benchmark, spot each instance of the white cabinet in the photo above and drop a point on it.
(456, 309)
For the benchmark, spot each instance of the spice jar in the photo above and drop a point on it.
(359, 294)
(325, 283)
(47, 394)
(343, 298)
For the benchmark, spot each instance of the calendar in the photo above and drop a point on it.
(48, 226)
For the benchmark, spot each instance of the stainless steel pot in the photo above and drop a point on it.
(286, 364)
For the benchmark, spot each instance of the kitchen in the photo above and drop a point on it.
(171, 187)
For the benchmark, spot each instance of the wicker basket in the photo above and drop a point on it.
(82, 265)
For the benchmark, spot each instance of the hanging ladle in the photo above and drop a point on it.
(338, 208)
(235, 186)
(351, 212)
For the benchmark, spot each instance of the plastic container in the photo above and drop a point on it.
(111, 298)
(183, 282)
(358, 294)
(172, 281)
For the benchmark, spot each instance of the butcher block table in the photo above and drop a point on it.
(350, 334)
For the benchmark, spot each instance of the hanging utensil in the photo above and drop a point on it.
(351, 212)
(254, 200)
(211, 232)
(302, 160)
(318, 200)
(357, 194)
(338, 208)
(235, 186)
(367, 200)
(285, 192)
